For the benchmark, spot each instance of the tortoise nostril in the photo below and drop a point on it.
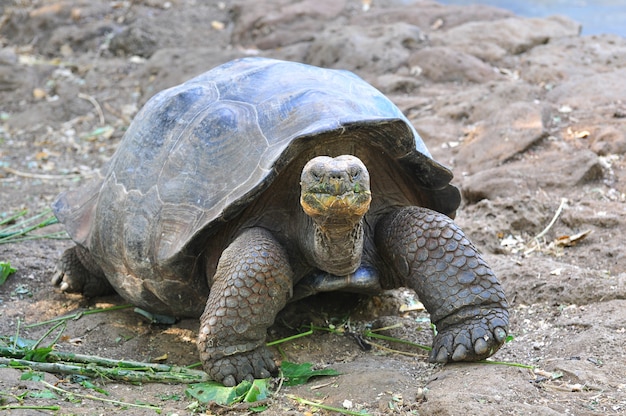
(337, 174)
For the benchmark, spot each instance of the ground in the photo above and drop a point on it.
(529, 115)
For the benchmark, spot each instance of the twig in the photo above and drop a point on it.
(41, 175)
(116, 113)
(95, 104)
(77, 315)
(91, 397)
(325, 407)
(556, 215)
(371, 334)
(382, 347)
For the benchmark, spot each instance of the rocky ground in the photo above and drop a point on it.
(530, 116)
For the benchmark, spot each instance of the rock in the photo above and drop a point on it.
(493, 40)
(271, 24)
(550, 170)
(133, 41)
(584, 92)
(435, 129)
(379, 48)
(609, 140)
(488, 385)
(579, 285)
(428, 15)
(566, 58)
(601, 215)
(443, 64)
(499, 138)
(392, 83)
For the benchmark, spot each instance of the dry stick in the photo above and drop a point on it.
(77, 315)
(325, 407)
(556, 215)
(545, 230)
(40, 175)
(95, 104)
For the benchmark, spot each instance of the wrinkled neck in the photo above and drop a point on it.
(337, 248)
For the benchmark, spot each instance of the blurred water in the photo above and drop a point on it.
(596, 16)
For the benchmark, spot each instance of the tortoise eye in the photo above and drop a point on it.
(355, 174)
(316, 175)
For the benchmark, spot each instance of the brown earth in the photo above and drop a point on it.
(529, 115)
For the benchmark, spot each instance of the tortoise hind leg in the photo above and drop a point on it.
(430, 254)
(77, 272)
(251, 285)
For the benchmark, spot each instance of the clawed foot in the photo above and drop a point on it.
(233, 369)
(471, 340)
(71, 276)
(66, 282)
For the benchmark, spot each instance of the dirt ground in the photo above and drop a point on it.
(530, 116)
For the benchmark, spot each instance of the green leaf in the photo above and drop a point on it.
(258, 391)
(39, 355)
(216, 392)
(296, 374)
(32, 376)
(43, 394)
(5, 271)
(226, 396)
(21, 343)
(258, 409)
(89, 385)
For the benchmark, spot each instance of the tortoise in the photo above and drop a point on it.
(263, 181)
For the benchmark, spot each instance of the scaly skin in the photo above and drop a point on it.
(251, 285)
(430, 254)
(77, 272)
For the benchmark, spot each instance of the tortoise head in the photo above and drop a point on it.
(335, 191)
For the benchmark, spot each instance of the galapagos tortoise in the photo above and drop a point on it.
(263, 180)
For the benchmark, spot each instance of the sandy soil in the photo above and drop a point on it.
(529, 115)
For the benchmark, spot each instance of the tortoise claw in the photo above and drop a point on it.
(471, 340)
(233, 369)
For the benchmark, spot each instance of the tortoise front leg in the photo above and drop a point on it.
(430, 254)
(77, 272)
(251, 285)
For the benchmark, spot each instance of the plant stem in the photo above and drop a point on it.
(142, 374)
(13, 217)
(77, 315)
(392, 339)
(48, 332)
(22, 228)
(291, 338)
(530, 367)
(19, 407)
(91, 397)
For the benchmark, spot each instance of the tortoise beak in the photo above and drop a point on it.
(335, 198)
(326, 205)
